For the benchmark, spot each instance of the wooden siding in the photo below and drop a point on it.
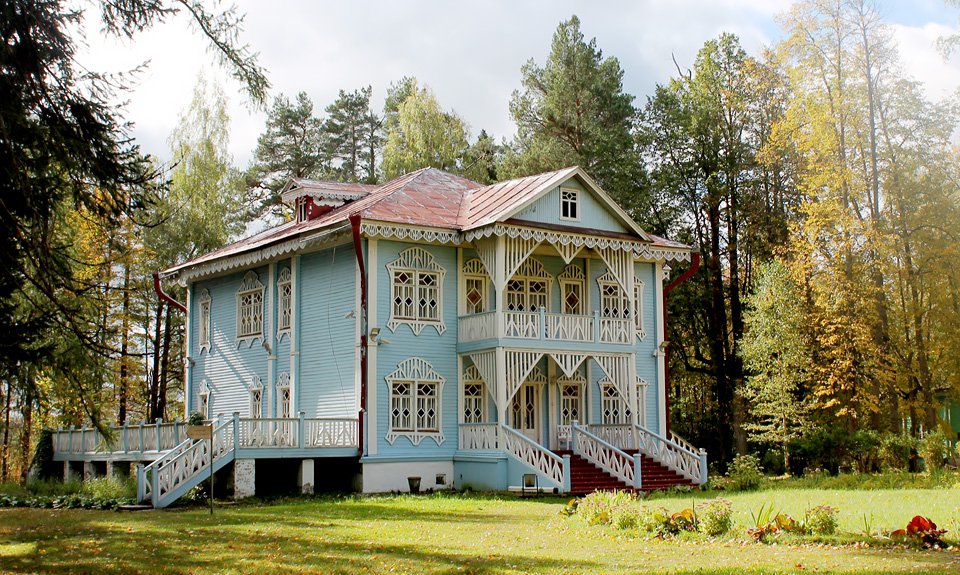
(327, 333)
(593, 214)
(227, 367)
(439, 350)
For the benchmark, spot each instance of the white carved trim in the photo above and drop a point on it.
(568, 363)
(518, 366)
(566, 248)
(255, 389)
(617, 369)
(619, 264)
(284, 404)
(472, 376)
(486, 364)
(284, 303)
(415, 260)
(416, 370)
(518, 250)
(638, 316)
(388, 231)
(252, 287)
(206, 319)
(256, 256)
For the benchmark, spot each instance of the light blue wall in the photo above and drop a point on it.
(226, 367)
(328, 339)
(593, 214)
(438, 350)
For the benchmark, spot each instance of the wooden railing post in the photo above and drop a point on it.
(596, 326)
(301, 429)
(159, 422)
(542, 332)
(124, 437)
(141, 445)
(637, 470)
(83, 439)
(573, 436)
(703, 466)
(566, 474)
(141, 486)
(236, 434)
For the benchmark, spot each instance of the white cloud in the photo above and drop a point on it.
(922, 61)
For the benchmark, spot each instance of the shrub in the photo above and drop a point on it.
(53, 487)
(895, 450)
(744, 474)
(864, 450)
(602, 506)
(821, 520)
(654, 519)
(714, 517)
(934, 450)
(110, 488)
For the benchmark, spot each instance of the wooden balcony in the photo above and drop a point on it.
(542, 326)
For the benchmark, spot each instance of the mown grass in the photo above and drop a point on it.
(443, 534)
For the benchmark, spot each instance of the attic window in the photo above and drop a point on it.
(302, 209)
(569, 204)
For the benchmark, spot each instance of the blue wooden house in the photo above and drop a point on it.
(429, 330)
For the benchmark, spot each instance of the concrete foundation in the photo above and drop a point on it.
(305, 478)
(244, 478)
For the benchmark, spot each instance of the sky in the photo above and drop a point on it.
(470, 53)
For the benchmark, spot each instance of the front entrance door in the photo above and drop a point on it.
(525, 411)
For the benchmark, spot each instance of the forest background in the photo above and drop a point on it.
(816, 177)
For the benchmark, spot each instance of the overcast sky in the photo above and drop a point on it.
(469, 53)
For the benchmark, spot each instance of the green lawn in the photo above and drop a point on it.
(446, 534)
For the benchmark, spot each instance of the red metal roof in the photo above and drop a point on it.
(427, 197)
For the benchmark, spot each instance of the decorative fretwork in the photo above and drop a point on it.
(567, 249)
(284, 303)
(256, 397)
(250, 308)
(417, 282)
(638, 308)
(474, 396)
(487, 254)
(204, 302)
(569, 204)
(517, 252)
(284, 397)
(618, 372)
(572, 292)
(438, 236)
(415, 392)
(619, 264)
(486, 364)
(529, 288)
(568, 362)
(519, 365)
(203, 397)
(475, 287)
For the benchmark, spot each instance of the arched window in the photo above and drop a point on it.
(256, 397)
(476, 295)
(474, 396)
(529, 288)
(284, 397)
(415, 399)
(205, 320)
(284, 303)
(638, 308)
(613, 301)
(417, 288)
(203, 400)
(250, 308)
(572, 290)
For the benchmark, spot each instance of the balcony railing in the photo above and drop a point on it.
(540, 325)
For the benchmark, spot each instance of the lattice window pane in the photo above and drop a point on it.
(473, 403)
(569, 204)
(516, 295)
(569, 403)
(285, 302)
(428, 297)
(475, 295)
(204, 407)
(205, 324)
(427, 406)
(285, 403)
(250, 307)
(256, 402)
(401, 406)
(613, 302)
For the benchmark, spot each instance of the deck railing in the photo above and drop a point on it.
(540, 325)
(141, 438)
(479, 436)
(546, 463)
(148, 441)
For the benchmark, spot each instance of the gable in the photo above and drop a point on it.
(592, 212)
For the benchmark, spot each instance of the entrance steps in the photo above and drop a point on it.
(587, 478)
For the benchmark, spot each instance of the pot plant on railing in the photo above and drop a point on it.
(197, 427)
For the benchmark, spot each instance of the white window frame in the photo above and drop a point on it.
(256, 397)
(573, 277)
(568, 403)
(570, 204)
(284, 396)
(638, 288)
(522, 300)
(612, 297)
(416, 374)
(474, 404)
(475, 277)
(418, 263)
(206, 319)
(284, 303)
(203, 400)
(250, 297)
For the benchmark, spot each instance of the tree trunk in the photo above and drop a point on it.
(124, 340)
(6, 431)
(164, 367)
(155, 375)
(26, 410)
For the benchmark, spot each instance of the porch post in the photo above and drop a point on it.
(637, 470)
(566, 474)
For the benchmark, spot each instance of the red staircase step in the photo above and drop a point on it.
(587, 478)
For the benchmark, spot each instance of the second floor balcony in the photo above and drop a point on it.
(543, 326)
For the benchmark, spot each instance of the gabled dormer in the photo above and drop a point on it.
(311, 199)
